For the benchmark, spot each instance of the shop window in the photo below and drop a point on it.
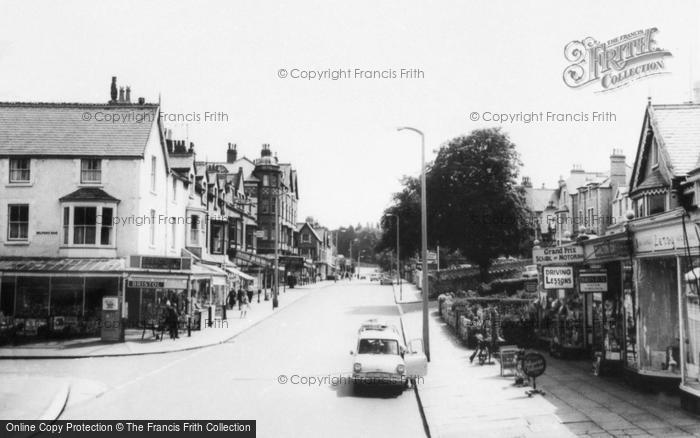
(32, 297)
(67, 296)
(19, 170)
(691, 322)
(95, 289)
(7, 295)
(106, 226)
(90, 170)
(658, 315)
(18, 222)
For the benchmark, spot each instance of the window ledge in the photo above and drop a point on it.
(87, 247)
(88, 184)
(16, 243)
(20, 184)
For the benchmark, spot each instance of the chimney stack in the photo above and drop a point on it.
(231, 153)
(121, 94)
(113, 90)
(265, 152)
(191, 149)
(142, 100)
(577, 168)
(526, 182)
(618, 170)
(128, 94)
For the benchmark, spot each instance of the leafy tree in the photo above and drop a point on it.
(474, 202)
(406, 205)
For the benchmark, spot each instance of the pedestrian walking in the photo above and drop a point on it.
(171, 320)
(231, 299)
(249, 292)
(259, 292)
(244, 306)
(241, 294)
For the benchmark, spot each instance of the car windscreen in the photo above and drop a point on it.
(378, 346)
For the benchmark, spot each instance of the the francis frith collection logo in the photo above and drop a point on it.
(616, 62)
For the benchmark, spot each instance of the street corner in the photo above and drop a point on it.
(33, 397)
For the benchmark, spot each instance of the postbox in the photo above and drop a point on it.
(111, 327)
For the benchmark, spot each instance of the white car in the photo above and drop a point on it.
(382, 358)
(530, 271)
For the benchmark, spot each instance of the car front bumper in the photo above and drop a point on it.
(378, 378)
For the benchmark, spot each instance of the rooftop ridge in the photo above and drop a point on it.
(77, 105)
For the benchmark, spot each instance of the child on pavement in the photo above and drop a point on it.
(245, 306)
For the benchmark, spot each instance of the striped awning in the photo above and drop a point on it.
(63, 265)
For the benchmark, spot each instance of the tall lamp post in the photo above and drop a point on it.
(424, 240)
(398, 259)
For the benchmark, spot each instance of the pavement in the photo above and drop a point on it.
(221, 331)
(462, 399)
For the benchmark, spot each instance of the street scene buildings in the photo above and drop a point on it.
(350, 219)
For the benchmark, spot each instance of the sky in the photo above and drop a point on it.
(475, 57)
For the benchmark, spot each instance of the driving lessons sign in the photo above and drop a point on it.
(558, 277)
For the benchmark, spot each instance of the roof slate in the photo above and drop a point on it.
(678, 127)
(68, 129)
(89, 194)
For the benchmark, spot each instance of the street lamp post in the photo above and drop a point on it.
(424, 240)
(398, 259)
(275, 293)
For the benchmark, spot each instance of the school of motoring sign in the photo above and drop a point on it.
(616, 62)
(557, 255)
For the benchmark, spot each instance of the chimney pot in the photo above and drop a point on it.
(121, 94)
(231, 153)
(113, 90)
(142, 100)
(128, 94)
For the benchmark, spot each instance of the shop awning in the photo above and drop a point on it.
(62, 265)
(239, 273)
(218, 276)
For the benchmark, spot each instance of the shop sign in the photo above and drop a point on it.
(593, 281)
(146, 284)
(110, 303)
(558, 277)
(666, 239)
(534, 364)
(611, 249)
(560, 254)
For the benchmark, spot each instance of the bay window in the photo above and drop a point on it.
(88, 225)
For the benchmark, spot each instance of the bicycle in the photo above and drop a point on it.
(483, 351)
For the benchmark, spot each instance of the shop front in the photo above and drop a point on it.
(607, 285)
(59, 297)
(561, 309)
(689, 299)
(147, 295)
(659, 300)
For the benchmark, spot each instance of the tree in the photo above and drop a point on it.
(406, 205)
(474, 202)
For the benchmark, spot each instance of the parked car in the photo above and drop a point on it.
(386, 280)
(382, 358)
(530, 271)
(375, 277)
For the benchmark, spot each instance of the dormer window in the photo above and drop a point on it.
(90, 170)
(654, 154)
(19, 170)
